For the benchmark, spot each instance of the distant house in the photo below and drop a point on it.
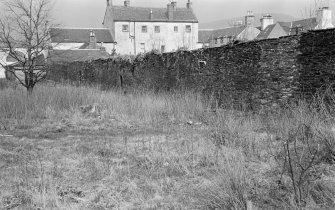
(17, 67)
(269, 29)
(4, 61)
(82, 39)
(16, 64)
(141, 29)
(224, 36)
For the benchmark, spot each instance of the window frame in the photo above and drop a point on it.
(144, 27)
(123, 28)
(163, 48)
(174, 29)
(188, 28)
(159, 29)
(142, 46)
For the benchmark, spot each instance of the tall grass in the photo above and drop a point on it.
(142, 107)
(228, 160)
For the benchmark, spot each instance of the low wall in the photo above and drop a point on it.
(262, 73)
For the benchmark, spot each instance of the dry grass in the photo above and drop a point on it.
(152, 151)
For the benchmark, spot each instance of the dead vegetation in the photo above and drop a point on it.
(82, 148)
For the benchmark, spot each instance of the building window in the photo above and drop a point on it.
(163, 48)
(144, 29)
(216, 41)
(188, 28)
(125, 28)
(176, 29)
(142, 47)
(157, 29)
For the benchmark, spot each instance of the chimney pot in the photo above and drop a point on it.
(266, 20)
(151, 16)
(250, 19)
(93, 40)
(189, 4)
(127, 3)
(324, 18)
(174, 5)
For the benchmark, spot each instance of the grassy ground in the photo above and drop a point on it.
(160, 151)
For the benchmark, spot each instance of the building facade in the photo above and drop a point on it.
(141, 29)
(239, 32)
(269, 29)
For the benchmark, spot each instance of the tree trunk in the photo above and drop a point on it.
(30, 90)
(29, 80)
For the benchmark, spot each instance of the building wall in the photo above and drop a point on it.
(109, 22)
(150, 40)
(248, 34)
(2, 72)
(66, 46)
(75, 46)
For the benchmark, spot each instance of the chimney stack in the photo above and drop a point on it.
(127, 3)
(109, 3)
(266, 20)
(250, 19)
(189, 4)
(174, 4)
(93, 40)
(324, 18)
(170, 9)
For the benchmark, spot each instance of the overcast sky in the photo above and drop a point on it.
(90, 13)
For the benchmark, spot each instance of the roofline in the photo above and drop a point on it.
(77, 28)
(148, 7)
(162, 21)
(78, 50)
(82, 42)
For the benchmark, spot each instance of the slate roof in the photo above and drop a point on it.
(289, 27)
(307, 24)
(266, 32)
(232, 31)
(79, 35)
(204, 36)
(286, 26)
(64, 56)
(142, 14)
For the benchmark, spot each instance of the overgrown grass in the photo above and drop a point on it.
(144, 107)
(150, 150)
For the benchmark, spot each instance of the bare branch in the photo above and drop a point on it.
(24, 36)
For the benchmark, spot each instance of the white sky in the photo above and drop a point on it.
(90, 13)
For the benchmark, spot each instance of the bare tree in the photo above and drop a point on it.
(24, 37)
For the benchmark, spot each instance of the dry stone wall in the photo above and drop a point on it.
(256, 74)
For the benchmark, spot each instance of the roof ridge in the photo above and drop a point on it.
(79, 50)
(231, 27)
(77, 28)
(207, 29)
(138, 7)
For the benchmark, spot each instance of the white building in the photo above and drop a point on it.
(239, 32)
(270, 29)
(81, 39)
(141, 29)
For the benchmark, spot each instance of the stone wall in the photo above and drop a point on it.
(256, 74)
